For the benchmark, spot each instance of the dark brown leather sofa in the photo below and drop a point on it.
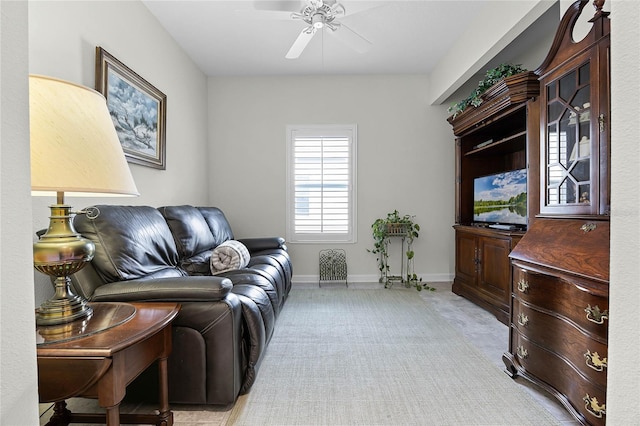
(162, 254)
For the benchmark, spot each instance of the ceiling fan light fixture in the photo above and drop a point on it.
(321, 14)
(317, 20)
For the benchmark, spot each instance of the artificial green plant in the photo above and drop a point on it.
(382, 228)
(492, 77)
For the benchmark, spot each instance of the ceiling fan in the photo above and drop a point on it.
(321, 14)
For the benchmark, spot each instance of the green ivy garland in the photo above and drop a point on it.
(491, 77)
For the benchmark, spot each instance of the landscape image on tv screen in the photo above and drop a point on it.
(501, 198)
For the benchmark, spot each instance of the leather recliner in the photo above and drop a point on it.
(225, 321)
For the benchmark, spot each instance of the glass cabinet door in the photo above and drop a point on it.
(568, 139)
(574, 150)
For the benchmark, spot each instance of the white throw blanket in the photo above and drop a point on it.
(229, 255)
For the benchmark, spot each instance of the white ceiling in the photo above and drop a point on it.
(243, 38)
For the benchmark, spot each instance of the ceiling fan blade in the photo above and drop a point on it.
(351, 38)
(301, 42)
(337, 10)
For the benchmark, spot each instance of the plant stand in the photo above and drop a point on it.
(394, 230)
(384, 230)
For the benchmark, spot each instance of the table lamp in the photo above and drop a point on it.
(74, 150)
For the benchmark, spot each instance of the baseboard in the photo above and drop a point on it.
(370, 278)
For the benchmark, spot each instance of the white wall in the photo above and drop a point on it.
(529, 49)
(63, 36)
(405, 160)
(498, 25)
(405, 152)
(624, 339)
(18, 376)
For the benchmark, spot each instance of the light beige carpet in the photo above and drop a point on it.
(371, 356)
(377, 357)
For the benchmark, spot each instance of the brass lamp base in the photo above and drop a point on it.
(64, 307)
(61, 252)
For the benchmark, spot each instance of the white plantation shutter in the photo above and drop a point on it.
(321, 170)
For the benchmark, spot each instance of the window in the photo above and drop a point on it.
(321, 170)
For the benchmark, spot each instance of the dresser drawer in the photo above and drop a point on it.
(587, 310)
(564, 338)
(587, 398)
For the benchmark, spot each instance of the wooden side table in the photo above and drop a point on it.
(99, 357)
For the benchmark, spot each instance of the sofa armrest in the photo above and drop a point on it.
(263, 243)
(175, 289)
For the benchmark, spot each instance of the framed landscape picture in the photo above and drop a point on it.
(137, 109)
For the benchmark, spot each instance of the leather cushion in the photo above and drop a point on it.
(198, 264)
(190, 230)
(131, 242)
(218, 224)
(258, 279)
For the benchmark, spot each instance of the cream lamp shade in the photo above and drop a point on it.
(74, 150)
(74, 144)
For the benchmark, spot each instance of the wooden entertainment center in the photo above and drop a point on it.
(549, 281)
(497, 136)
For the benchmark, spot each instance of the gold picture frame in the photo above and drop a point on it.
(138, 110)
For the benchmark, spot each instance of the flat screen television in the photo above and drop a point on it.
(501, 198)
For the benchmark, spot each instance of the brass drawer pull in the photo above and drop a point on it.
(593, 407)
(522, 352)
(594, 361)
(595, 315)
(523, 286)
(523, 320)
(588, 227)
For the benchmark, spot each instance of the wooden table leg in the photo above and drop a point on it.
(113, 415)
(165, 417)
(61, 416)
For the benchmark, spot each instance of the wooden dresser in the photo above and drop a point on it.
(560, 268)
(559, 313)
